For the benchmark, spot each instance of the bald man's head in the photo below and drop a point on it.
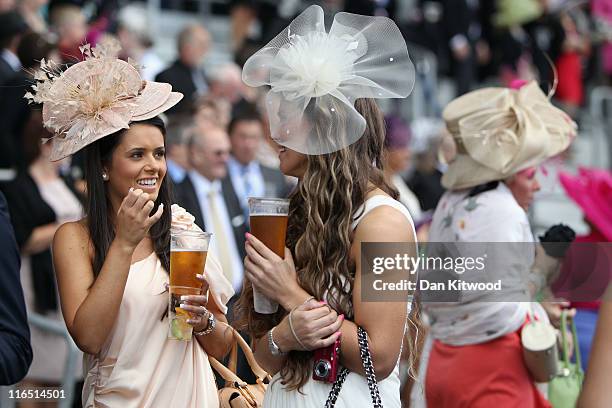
(209, 151)
(193, 44)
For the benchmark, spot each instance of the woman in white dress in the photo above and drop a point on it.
(332, 141)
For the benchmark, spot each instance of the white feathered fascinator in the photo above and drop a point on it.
(316, 76)
(95, 98)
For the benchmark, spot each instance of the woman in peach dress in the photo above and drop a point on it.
(112, 266)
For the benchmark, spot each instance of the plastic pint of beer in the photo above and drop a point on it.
(188, 250)
(268, 220)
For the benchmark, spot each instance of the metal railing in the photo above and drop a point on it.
(68, 378)
(600, 111)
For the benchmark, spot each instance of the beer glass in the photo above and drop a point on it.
(188, 250)
(268, 220)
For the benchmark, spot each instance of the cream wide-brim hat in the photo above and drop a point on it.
(501, 131)
(96, 98)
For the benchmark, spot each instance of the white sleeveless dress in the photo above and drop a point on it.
(354, 392)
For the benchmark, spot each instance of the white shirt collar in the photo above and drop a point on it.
(236, 165)
(202, 184)
(11, 59)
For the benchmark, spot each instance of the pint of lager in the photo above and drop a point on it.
(188, 250)
(268, 220)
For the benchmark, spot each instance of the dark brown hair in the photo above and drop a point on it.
(320, 233)
(98, 207)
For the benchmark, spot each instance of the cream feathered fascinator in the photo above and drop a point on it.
(315, 77)
(95, 98)
(501, 131)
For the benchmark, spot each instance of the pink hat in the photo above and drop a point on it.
(95, 98)
(591, 189)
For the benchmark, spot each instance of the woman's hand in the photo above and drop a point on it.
(315, 324)
(554, 310)
(196, 306)
(133, 220)
(273, 276)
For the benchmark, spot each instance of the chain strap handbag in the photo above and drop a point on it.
(237, 393)
(368, 368)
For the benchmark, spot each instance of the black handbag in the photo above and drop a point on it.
(368, 368)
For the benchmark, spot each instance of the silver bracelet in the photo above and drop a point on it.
(209, 328)
(274, 349)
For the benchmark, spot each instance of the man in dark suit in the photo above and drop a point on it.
(215, 209)
(12, 27)
(185, 74)
(246, 176)
(15, 349)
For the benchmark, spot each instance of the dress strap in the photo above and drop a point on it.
(378, 201)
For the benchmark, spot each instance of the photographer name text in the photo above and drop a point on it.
(425, 285)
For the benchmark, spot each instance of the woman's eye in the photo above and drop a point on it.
(160, 154)
(136, 155)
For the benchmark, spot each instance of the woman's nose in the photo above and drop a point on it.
(536, 185)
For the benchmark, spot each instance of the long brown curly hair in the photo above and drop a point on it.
(319, 232)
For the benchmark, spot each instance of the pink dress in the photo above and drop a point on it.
(138, 365)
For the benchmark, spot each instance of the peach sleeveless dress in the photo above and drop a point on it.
(138, 365)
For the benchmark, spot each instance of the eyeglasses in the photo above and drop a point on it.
(220, 153)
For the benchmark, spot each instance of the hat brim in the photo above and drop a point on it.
(156, 97)
(465, 172)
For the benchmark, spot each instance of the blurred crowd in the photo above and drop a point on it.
(219, 147)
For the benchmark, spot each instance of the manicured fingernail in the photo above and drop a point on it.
(323, 302)
(199, 276)
(342, 317)
(161, 206)
(184, 297)
(131, 189)
(339, 333)
(247, 235)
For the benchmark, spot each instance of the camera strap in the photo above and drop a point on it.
(368, 368)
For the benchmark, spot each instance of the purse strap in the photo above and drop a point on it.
(229, 374)
(368, 368)
(566, 361)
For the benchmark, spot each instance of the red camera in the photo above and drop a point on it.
(326, 363)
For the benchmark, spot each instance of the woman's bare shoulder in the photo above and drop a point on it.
(72, 236)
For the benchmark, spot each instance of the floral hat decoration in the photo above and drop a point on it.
(95, 98)
(315, 77)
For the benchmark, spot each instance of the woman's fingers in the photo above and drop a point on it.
(194, 299)
(263, 250)
(310, 305)
(328, 330)
(315, 314)
(141, 201)
(199, 310)
(155, 217)
(289, 258)
(131, 197)
(327, 341)
(326, 320)
(254, 256)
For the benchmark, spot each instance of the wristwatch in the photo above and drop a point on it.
(274, 349)
(209, 328)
